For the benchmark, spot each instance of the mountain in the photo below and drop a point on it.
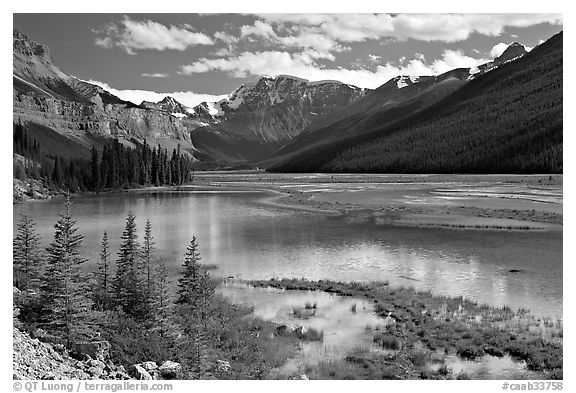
(400, 97)
(397, 98)
(251, 124)
(260, 117)
(504, 117)
(168, 104)
(85, 113)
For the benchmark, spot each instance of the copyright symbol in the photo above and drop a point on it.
(17, 386)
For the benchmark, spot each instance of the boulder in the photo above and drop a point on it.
(149, 366)
(136, 371)
(170, 370)
(94, 349)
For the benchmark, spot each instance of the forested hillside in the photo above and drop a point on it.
(59, 163)
(508, 120)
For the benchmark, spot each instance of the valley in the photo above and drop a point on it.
(296, 228)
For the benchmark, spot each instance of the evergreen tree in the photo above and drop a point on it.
(161, 299)
(26, 253)
(127, 280)
(147, 251)
(57, 173)
(194, 292)
(103, 285)
(63, 288)
(189, 288)
(95, 169)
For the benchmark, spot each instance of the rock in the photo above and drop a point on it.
(94, 349)
(36, 360)
(282, 330)
(223, 365)
(149, 366)
(95, 371)
(138, 372)
(170, 370)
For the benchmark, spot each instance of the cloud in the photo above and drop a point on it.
(132, 35)
(498, 49)
(425, 27)
(304, 66)
(376, 58)
(155, 75)
(259, 28)
(225, 37)
(187, 98)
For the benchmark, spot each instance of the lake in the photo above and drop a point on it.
(249, 239)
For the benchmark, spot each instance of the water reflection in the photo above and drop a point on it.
(251, 241)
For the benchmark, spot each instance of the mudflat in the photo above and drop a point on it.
(494, 202)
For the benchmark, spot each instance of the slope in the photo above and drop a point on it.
(507, 120)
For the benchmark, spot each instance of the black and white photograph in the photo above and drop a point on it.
(286, 196)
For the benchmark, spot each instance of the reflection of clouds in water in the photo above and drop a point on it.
(249, 240)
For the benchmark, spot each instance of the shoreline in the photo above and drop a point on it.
(375, 203)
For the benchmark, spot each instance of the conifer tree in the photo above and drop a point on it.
(189, 290)
(26, 253)
(64, 286)
(161, 298)
(95, 169)
(194, 292)
(127, 281)
(147, 251)
(103, 281)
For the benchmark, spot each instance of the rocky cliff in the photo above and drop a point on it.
(253, 122)
(45, 94)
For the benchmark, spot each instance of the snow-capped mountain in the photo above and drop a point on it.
(253, 123)
(168, 104)
(266, 114)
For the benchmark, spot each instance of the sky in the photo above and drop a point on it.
(204, 57)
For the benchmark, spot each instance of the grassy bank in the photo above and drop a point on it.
(422, 330)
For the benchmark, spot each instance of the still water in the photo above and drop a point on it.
(250, 240)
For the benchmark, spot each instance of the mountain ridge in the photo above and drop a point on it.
(521, 93)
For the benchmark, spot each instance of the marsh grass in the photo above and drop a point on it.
(419, 323)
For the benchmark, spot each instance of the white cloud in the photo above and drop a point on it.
(187, 98)
(376, 58)
(304, 66)
(498, 49)
(259, 28)
(132, 35)
(426, 27)
(155, 75)
(225, 37)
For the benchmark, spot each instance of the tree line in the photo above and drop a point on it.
(114, 166)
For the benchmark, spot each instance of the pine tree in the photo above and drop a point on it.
(161, 299)
(95, 169)
(189, 290)
(26, 253)
(63, 288)
(103, 285)
(127, 280)
(194, 292)
(147, 251)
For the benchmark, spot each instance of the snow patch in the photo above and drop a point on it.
(178, 115)
(214, 108)
(401, 82)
